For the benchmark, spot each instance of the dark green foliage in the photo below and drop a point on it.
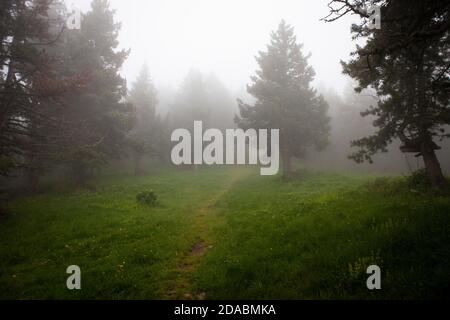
(83, 162)
(7, 164)
(285, 99)
(98, 115)
(406, 62)
(147, 198)
(419, 180)
(93, 118)
(28, 80)
(61, 94)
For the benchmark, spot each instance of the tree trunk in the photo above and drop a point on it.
(428, 147)
(433, 168)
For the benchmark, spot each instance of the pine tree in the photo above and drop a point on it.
(33, 83)
(46, 132)
(23, 63)
(144, 137)
(221, 103)
(191, 102)
(285, 99)
(98, 118)
(407, 63)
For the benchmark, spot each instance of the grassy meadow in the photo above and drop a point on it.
(228, 233)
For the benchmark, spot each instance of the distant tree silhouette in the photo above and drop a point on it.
(285, 99)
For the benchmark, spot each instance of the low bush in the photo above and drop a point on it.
(418, 180)
(147, 198)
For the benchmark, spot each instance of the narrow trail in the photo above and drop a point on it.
(203, 221)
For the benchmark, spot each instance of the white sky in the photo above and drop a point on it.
(223, 36)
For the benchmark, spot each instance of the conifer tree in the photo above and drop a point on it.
(285, 99)
(99, 118)
(407, 62)
(144, 137)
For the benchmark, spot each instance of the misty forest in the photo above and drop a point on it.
(91, 93)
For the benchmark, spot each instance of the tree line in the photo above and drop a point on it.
(63, 101)
(65, 104)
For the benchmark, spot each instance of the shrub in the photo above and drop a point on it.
(147, 198)
(418, 180)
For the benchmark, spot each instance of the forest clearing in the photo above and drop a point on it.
(221, 233)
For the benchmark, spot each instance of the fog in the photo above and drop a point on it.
(222, 37)
(200, 57)
(224, 149)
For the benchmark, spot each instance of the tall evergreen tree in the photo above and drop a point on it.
(221, 104)
(25, 77)
(33, 83)
(46, 133)
(144, 137)
(285, 99)
(191, 102)
(98, 118)
(407, 63)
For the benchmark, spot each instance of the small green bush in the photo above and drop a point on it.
(418, 180)
(146, 198)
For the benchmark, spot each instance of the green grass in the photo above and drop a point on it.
(311, 237)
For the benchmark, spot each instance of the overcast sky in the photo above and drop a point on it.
(223, 36)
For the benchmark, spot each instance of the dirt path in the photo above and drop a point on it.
(202, 223)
